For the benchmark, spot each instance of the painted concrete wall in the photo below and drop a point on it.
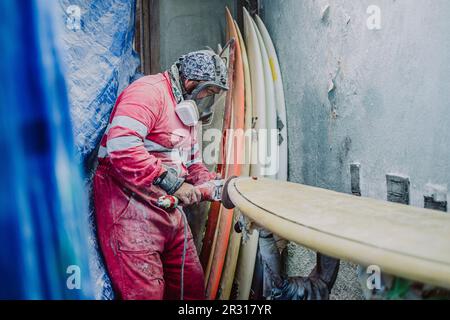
(191, 25)
(389, 109)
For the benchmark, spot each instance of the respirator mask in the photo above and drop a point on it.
(194, 109)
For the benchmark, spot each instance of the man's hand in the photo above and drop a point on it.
(188, 195)
(211, 190)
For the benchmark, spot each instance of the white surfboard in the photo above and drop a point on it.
(270, 159)
(279, 100)
(258, 88)
(248, 103)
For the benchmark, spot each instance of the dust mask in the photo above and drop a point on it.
(204, 105)
(187, 112)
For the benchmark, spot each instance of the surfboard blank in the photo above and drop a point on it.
(405, 241)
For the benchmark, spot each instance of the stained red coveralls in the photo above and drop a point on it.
(143, 244)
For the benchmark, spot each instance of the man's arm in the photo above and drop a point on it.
(138, 170)
(132, 163)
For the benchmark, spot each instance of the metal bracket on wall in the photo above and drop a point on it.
(431, 203)
(355, 179)
(398, 189)
(435, 197)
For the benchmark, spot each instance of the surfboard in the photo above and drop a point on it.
(270, 159)
(248, 104)
(280, 103)
(234, 146)
(229, 269)
(277, 145)
(405, 241)
(211, 232)
(247, 253)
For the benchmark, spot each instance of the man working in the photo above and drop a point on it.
(149, 151)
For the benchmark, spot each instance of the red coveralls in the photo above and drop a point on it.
(143, 244)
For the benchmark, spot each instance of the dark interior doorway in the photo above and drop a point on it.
(148, 30)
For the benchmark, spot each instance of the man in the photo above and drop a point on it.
(149, 151)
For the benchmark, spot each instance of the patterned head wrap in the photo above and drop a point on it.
(203, 65)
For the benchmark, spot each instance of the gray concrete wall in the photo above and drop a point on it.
(191, 25)
(389, 109)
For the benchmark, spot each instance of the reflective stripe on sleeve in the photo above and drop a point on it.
(123, 143)
(130, 123)
(155, 147)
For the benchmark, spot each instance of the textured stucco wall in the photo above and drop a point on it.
(191, 25)
(389, 109)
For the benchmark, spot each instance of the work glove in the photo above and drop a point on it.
(170, 182)
(317, 286)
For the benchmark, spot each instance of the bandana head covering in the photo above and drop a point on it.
(204, 65)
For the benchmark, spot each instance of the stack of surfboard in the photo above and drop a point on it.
(256, 103)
